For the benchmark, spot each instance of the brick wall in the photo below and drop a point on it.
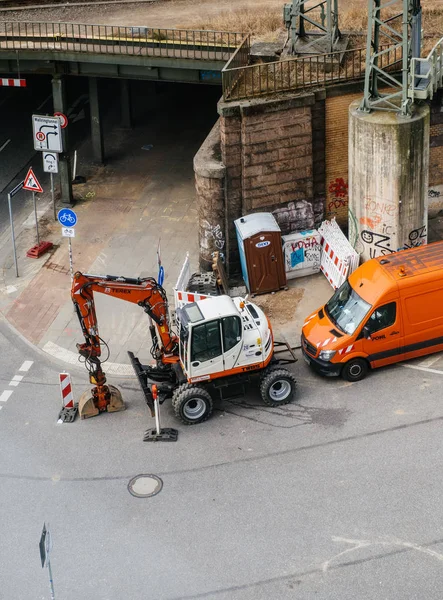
(336, 134)
(268, 149)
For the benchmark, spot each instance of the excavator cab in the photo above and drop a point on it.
(222, 336)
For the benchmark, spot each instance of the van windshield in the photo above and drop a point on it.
(346, 309)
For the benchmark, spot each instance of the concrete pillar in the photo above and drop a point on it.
(125, 103)
(64, 165)
(388, 180)
(96, 122)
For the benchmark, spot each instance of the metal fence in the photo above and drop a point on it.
(300, 73)
(108, 39)
(232, 71)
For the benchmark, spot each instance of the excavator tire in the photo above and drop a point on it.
(178, 390)
(87, 408)
(192, 404)
(278, 387)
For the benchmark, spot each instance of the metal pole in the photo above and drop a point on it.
(36, 219)
(74, 175)
(70, 259)
(53, 197)
(157, 416)
(12, 235)
(51, 581)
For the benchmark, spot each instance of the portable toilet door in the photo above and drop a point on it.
(260, 243)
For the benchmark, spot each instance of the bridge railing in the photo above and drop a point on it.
(233, 68)
(426, 74)
(109, 39)
(303, 72)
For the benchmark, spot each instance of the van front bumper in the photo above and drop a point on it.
(322, 367)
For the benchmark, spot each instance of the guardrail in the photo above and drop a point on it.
(232, 70)
(108, 39)
(426, 74)
(252, 81)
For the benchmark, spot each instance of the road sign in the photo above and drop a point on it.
(17, 188)
(31, 182)
(63, 119)
(68, 232)
(67, 217)
(47, 133)
(50, 162)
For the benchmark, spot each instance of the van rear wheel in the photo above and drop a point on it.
(355, 369)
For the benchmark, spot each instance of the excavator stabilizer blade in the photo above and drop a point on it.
(116, 403)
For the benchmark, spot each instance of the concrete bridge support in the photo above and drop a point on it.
(125, 103)
(388, 180)
(64, 166)
(96, 122)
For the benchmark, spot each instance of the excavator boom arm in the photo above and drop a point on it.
(147, 293)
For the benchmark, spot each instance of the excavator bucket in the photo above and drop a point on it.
(87, 403)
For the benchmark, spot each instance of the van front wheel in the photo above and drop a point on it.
(355, 370)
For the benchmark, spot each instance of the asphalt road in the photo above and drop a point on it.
(337, 496)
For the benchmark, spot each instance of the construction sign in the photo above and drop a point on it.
(31, 182)
(69, 408)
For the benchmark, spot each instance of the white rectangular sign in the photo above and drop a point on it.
(68, 232)
(50, 162)
(47, 133)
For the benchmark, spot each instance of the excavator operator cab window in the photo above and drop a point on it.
(206, 341)
(232, 332)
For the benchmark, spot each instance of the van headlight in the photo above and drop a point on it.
(327, 354)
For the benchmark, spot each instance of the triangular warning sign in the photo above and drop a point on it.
(31, 182)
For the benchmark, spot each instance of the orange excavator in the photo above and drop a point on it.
(222, 342)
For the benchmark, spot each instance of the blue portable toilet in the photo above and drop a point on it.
(261, 255)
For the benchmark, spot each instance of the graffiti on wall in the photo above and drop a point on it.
(296, 216)
(434, 194)
(338, 199)
(303, 253)
(380, 244)
(215, 234)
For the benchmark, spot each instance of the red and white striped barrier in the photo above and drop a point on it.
(66, 390)
(12, 82)
(338, 257)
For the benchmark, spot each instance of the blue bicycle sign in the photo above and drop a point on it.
(67, 217)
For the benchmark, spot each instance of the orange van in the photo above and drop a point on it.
(390, 309)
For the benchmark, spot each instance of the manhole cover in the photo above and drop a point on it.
(145, 486)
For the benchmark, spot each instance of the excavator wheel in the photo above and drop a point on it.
(278, 387)
(192, 404)
(87, 407)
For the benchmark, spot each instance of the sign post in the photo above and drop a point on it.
(68, 220)
(45, 546)
(32, 185)
(11, 194)
(50, 165)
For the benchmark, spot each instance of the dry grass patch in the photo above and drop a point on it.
(260, 22)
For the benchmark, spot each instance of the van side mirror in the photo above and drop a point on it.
(367, 332)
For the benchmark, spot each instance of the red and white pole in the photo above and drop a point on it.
(66, 390)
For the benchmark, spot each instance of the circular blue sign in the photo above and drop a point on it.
(67, 217)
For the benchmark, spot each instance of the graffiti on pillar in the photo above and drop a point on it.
(215, 233)
(338, 200)
(380, 244)
(434, 194)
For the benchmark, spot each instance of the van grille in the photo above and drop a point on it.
(310, 349)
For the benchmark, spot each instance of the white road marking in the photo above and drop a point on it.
(5, 395)
(438, 371)
(26, 365)
(4, 145)
(15, 380)
(431, 360)
(10, 289)
(67, 356)
(44, 102)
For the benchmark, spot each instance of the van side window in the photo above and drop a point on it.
(383, 316)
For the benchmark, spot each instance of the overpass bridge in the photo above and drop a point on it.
(181, 55)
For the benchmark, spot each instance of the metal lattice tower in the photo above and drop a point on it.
(394, 37)
(308, 31)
